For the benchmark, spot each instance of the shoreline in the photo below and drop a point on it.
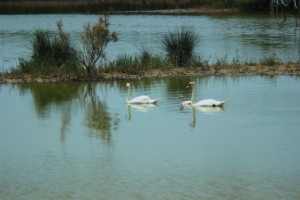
(183, 11)
(256, 70)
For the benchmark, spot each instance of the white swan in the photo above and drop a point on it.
(202, 103)
(140, 99)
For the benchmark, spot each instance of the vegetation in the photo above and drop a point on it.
(136, 64)
(50, 54)
(54, 55)
(91, 6)
(180, 46)
(94, 40)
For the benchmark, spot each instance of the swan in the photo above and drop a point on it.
(202, 103)
(140, 99)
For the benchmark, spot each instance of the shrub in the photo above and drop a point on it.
(180, 46)
(94, 40)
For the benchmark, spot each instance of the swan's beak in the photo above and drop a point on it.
(188, 86)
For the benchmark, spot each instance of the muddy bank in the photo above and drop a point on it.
(283, 69)
(187, 11)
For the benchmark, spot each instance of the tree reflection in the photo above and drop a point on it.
(177, 84)
(67, 98)
(47, 94)
(98, 119)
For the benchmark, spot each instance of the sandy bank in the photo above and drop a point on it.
(283, 69)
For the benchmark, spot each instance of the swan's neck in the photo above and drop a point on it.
(128, 94)
(193, 94)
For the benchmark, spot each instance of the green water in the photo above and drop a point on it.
(81, 141)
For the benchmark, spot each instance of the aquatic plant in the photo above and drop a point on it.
(180, 46)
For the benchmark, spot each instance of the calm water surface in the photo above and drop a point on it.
(81, 141)
(243, 38)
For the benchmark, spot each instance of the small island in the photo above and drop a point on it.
(55, 59)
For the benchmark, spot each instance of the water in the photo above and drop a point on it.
(81, 141)
(243, 38)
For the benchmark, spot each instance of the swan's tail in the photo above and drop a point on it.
(154, 101)
(221, 104)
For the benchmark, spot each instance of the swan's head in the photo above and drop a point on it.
(191, 84)
(127, 85)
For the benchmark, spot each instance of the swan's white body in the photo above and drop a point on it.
(187, 102)
(209, 103)
(140, 99)
(202, 103)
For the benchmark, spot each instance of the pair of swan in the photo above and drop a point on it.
(147, 100)
(202, 103)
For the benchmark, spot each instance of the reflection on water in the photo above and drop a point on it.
(64, 97)
(139, 108)
(204, 110)
(47, 95)
(98, 119)
(82, 141)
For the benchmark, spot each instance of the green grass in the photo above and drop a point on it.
(136, 64)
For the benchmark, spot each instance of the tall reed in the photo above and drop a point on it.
(180, 46)
(50, 53)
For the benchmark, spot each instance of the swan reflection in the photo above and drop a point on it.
(210, 110)
(205, 110)
(139, 108)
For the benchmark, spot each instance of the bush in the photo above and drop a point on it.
(94, 40)
(180, 46)
(50, 53)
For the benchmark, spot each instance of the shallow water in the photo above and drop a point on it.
(226, 37)
(81, 141)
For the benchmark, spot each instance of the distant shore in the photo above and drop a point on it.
(132, 6)
(282, 69)
(187, 11)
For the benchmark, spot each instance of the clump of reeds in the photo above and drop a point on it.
(50, 53)
(180, 46)
(269, 60)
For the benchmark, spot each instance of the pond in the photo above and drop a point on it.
(81, 140)
(230, 37)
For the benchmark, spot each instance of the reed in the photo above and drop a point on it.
(180, 46)
(136, 64)
(270, 60)
(50, 53)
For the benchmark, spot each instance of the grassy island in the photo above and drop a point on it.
(55, 59)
